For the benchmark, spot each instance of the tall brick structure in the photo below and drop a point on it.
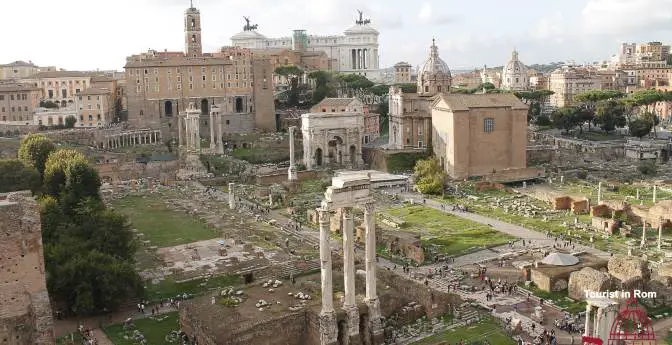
(25, 310)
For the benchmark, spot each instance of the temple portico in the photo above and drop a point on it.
(346, 193)
(130, 138)
(188, 129)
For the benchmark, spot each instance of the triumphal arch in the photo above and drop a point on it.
(346, 193)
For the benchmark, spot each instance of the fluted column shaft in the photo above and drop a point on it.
(348, 257)
(213, 141)
(370, 225)
(325, 262)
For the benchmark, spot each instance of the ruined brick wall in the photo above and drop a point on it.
(434, 302)
(25, 310)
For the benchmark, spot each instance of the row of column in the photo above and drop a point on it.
(361, 58)
(130, 139)
(328, 325)
(189, 132)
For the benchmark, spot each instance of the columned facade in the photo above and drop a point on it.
(130, 138)
(345, 193)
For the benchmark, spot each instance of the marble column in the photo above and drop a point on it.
(220, 134)
(213, 140)
(599, 193)
(179, 131)
(587, 332)
(655, 190)
(328, 328)
(371, 300)
(291, 172)
(643, 243)
(350, 303)
(637, 193)
(232, 198)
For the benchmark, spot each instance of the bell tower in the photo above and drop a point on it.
(192, 32)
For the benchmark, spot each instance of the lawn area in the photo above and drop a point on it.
(160, 225)
(559, 298)
(70, 339)
(599, 136)
(453, 235)
(168, 287)
(622, 193)
(155, 330)
(488, 329)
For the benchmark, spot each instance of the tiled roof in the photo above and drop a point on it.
(336, 102)
(491, 100)
(60, 74)
(94, 91)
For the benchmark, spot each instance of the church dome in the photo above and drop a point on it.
(434, 75)
(434, 65)
(514, 74)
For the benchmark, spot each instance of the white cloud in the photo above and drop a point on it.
(551, 27)
(625, 16)
(425, 13)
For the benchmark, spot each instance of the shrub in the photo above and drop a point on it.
(648, 168)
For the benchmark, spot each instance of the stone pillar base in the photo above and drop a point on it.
(352, 322)
(375, 324)
(291, 174)
(328, 328)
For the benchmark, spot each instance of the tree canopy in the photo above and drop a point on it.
(640, 128)
(565, 118)
(610, 115)
(429, 176)
(15, 175)
(34, 151)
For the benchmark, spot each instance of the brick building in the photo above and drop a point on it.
(18, 102)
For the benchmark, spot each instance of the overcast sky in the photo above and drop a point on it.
(96, 34)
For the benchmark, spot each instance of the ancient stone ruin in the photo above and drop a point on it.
(25, 310)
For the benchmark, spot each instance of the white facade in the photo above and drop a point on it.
(514, 74)
(54, 117)
(332, 138)
(356, 51)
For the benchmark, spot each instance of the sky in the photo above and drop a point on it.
(96, 34)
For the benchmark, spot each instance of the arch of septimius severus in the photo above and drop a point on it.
(346, 193)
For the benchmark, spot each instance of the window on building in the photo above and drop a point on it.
(11, 97)
(2, 97)
(203, 77)
(25, 108)
(146, 71)
(426, 88)
(191, 86)
(227, 122)
(488, 125)
(51, 94)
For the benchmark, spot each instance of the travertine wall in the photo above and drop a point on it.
(25, 310)
(587, 279)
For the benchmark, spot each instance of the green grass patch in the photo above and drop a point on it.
(451, 234)
(559, 298)
(169, 288)
(488, 329)
(161, 226)
(598, 136)
(154, 329)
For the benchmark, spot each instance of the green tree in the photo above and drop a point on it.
(292, 74)
(34, 151)
(588, 103)
(488, 86)
(565, 118)
(15, 175)
(48, 105)
(652, 119)
(68, 172)
(70, 121)
(380, 89)
(354, 81)
(408, 87)
(429, 176)
(610, 115)
(640, 128)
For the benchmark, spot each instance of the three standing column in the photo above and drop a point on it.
(350, 303)
(328, 329)
(371, 299)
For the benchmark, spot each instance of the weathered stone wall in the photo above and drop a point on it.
(23, 129)
(113, 172)
(587, 279)
(537, 155)
(25, 310)
(435, 303)
(627, 267)
(281, 177)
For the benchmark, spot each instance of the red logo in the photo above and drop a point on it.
(632, 325)
(591, 341)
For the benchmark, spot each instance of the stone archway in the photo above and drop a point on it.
(168, 108)
(318, 157)
(205, 108)
(353, 155)
(334, 149)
